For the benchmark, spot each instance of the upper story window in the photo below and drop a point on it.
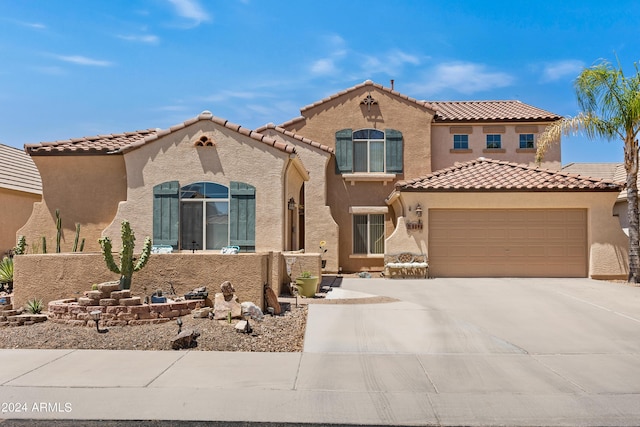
(526, 140)
(494, 141)
(369, 151)
(460, 142)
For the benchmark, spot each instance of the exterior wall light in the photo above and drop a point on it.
(418, 210)
(292, 204)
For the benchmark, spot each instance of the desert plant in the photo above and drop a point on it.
(44, 245)
(127, 266)
(77, 239)
(21, 246)
(305, 275)
(58, 230)
(6, 270)
(35, 306)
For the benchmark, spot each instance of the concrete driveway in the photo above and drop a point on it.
(489, 351)
(446, 352)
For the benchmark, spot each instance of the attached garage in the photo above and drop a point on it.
(487, 218)
(508, 242)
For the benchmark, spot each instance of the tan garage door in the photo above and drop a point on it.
(508, 243)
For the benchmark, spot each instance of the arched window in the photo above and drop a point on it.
(204, 215)
(369, 151)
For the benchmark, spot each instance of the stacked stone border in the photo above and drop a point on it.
(70, 312)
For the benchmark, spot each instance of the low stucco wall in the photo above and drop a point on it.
(58, 276)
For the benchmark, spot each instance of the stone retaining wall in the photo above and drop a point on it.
(70, 312)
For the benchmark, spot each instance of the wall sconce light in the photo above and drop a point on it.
(95, 315)
(419, 210)
(292, 204)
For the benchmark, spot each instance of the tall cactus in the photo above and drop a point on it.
(58, 230)
(127, 266)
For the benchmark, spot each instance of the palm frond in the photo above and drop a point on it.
(554, 132)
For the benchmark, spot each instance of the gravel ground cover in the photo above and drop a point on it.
(284, 333)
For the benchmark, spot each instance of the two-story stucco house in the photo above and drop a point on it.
(350, 171)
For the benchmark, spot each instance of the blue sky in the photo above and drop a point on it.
(73, 68)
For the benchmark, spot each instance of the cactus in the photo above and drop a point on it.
(127, 266)
(44, 245)
(58, 230)
(75, 241)
(21, 246)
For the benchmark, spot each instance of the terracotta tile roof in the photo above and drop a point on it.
(364, 84)
(99, 144)
(473, 111)
(491, 175)
(18, 172)
(295, 136)
(123, 142)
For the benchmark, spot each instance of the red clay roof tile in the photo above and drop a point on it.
(455, 111)
(491, 175)
(295, 136)
(123, 142)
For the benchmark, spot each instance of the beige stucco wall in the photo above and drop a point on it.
(234, 157)
(443, 155)
(608, 245)
(86, 189)
(16, 210)
(393, 112)
(58, 276)
(319, 223)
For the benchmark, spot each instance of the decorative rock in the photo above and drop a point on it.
(131, 301)
(170, 314)
(222, 307)
(126, 293)
(252, 310)
(202, 313)
(108, 302)
(185, 339)
(95, 294)
(83, 301)
(109, 287)
(272, 301)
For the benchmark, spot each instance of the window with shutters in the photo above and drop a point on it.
(204, 215)
(369, 151)
(368, 234)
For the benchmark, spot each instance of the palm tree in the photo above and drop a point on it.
(610, 104)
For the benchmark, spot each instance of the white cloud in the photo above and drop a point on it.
(145, 38)
(35, 25)
(190, 9)
(558, 70)
(324, 66)
(83, 60)
(390, 63)
(463, 77)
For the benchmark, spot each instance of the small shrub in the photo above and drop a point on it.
(94, 287)
(35, 306)
(306, 275)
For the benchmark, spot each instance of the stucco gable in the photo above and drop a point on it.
(491, 175)
(367, 84)
(123, 142)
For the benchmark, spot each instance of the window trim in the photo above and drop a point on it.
(533, 141)
(367, 211)
(493, 136)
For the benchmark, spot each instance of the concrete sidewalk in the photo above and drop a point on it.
(449, 352)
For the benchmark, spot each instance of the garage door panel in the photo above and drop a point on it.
(508, 243)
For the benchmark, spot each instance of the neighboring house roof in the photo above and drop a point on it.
(122, 142)
(491, 175)
(489, 111)
(610, 171)
(18, 172)
(295, 136)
